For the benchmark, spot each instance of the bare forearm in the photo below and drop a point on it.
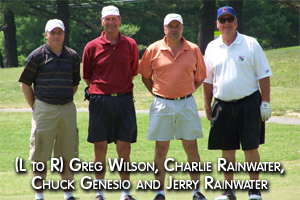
(265, 89)
(75, 88)
(87, 81)
(148, 83)
(198, 84)
(208, 95)
(28, 93)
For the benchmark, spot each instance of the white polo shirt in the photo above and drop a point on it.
(235, 70)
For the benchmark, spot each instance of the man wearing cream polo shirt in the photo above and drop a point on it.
(238, 77)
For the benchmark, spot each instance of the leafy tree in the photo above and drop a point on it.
(274, 23)
(274, 26)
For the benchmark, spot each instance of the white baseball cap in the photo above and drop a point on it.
(110, 10)
(171, 17)
(54, 23)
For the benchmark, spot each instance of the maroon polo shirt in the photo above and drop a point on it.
(110, 68)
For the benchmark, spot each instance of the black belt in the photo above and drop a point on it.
(117, 94)
(177, 98)
(238, 100)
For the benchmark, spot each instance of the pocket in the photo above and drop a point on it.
(191, 105)
(159, 106)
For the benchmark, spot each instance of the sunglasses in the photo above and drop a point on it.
(223, 20)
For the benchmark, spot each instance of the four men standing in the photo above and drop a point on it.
(172, 69)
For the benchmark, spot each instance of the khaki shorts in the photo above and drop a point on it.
(172, 118)
(53, 126)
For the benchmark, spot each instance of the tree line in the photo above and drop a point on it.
(274, 23)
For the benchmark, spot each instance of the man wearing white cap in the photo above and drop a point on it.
(54, 71)
(109, 64)
(172, 69)
(238, 77)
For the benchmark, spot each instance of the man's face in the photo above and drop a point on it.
(111, 23)
(55, 38)
(174, 30)
(227, 24)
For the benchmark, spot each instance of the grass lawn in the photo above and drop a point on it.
(285, 86)
(15, 130)
(282, 141)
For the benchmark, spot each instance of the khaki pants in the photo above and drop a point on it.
(53, 127)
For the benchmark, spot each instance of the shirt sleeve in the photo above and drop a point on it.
(200, 73)
(208, 64)
(86, 63)
(135, 62)
(261, 63)
(29, 73)
(145, 68)
(76, 70)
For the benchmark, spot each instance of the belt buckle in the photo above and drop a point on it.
(114, 94)
(177, 98)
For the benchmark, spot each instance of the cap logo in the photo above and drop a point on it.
(224, 9)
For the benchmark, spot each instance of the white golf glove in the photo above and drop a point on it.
(265, 110)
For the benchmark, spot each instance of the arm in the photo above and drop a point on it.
(198, 84)
(265, 88)
(75, 89)
(28, 93)
(87, 81)
(207, 93)
(148, 83)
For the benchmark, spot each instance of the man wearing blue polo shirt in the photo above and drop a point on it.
(238, 77)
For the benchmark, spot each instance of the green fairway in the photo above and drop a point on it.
(282, 141)
(285, 86)
(15, 130)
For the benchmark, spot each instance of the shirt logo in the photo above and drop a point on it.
(241, 58)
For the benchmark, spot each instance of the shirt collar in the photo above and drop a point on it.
(185, 45)
(104, 41)
(49, 51)
(237, 40)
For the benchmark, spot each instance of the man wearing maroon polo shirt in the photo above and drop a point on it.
(109, 64)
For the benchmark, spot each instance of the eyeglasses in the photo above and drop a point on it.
(223, 20)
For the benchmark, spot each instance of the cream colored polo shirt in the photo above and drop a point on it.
(235, 70)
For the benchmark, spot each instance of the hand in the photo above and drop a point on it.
(265, 110)
(86, 94)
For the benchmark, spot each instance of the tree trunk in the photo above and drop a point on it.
(206, 23)
(63, 14)
(238, 8)
(10, 42)
(1, 60)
